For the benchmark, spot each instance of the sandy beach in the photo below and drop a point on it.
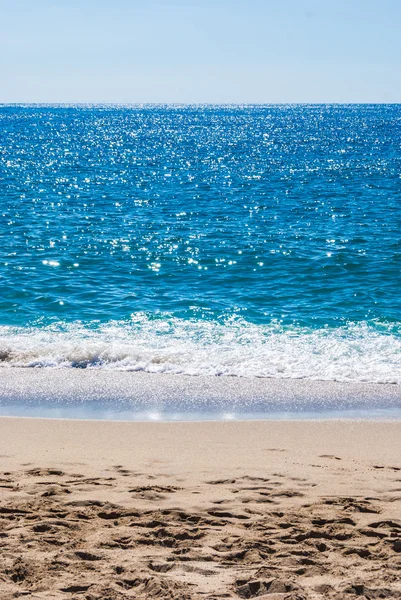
(265, 509)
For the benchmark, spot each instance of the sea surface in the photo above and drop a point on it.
(251, 241)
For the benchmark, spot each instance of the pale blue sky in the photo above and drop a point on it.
(258, 51)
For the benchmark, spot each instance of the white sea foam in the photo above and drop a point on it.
(354, 352)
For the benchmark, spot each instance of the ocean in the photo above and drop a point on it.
(243, 241)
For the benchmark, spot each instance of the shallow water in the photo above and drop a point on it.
(112, 394)
(255, 241)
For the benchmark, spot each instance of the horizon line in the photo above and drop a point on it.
(141, 104)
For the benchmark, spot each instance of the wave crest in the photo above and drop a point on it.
(364, 352)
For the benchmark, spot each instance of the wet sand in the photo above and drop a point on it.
(294, 510)
(107, 393)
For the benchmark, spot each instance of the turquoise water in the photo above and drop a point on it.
(260, 241)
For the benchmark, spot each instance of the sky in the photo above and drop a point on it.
(200, 51)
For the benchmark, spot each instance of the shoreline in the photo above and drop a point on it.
(106, 394)
(317, 417)
(296, 509)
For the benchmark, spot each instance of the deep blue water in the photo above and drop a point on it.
(242, 240)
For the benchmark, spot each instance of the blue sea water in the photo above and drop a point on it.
(257, 241)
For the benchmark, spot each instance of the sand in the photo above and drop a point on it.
(265, 509)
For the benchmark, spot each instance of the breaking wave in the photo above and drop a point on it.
(362, 352)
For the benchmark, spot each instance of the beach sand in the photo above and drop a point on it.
(260, 509)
